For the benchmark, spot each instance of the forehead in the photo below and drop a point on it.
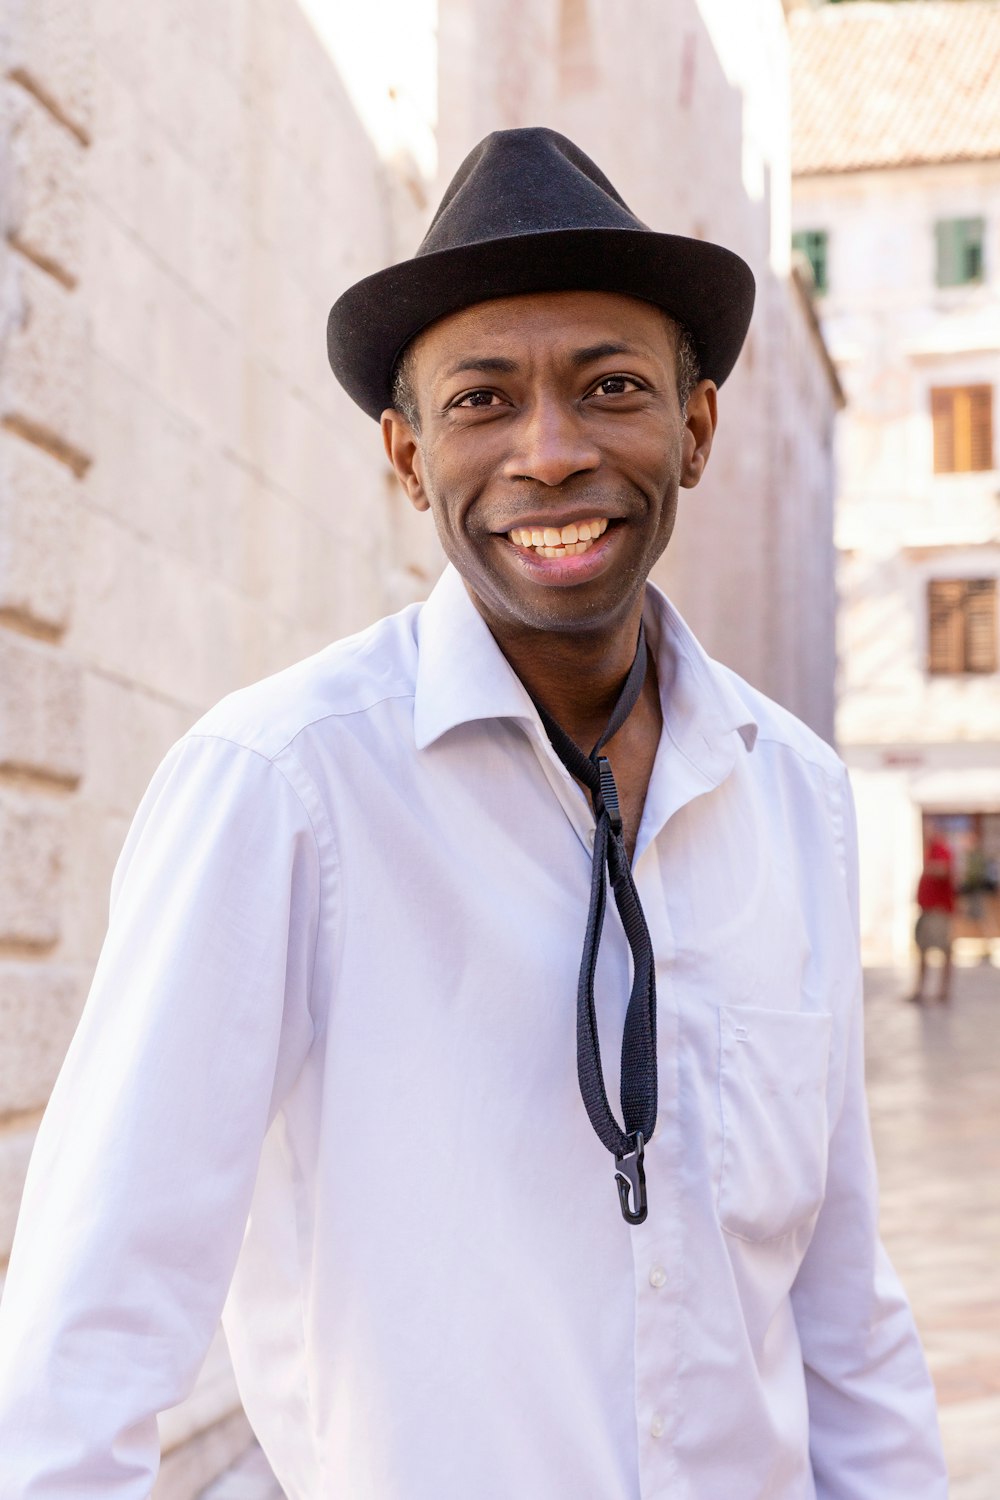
(553, 320)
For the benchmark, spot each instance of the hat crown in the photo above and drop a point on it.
(527, 181)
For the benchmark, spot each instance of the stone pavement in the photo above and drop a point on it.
(934, 1093)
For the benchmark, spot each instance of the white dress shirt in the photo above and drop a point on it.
(328, 1067)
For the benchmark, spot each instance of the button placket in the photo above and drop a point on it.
(658, 1289)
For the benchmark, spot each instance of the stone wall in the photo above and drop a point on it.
(187, 502)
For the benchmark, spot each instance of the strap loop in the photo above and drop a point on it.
(638, 1067)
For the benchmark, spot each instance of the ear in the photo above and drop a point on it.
(402, 447)
(699, 430)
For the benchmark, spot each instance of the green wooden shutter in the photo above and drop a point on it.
(814, 245)
(959, 245)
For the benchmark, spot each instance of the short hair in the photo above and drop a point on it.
(685, 357)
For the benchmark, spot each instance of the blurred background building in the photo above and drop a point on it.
(188, 501)
(896, 210)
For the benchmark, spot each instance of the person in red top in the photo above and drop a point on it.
(936, 900)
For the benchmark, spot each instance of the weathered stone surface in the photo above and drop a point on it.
(186, 1470)
(44, 370)
(15, 1152)
(49, 43)
(31, 835)
(40, 719)
(45, 214)
(127, 731)
(38, 497)
(39, 1008)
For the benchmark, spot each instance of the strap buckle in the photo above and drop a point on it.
(631, 1174)
(609, 793)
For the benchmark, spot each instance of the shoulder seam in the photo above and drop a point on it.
(819, 762)
(333, 713)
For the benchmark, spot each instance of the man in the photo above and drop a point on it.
(936, 903)
(342, 1050)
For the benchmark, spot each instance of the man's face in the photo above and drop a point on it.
(550, 452)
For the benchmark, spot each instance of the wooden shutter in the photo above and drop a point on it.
(959, 251)
(981, 625)
(962, 420)
(981, 427)
(946, 626)
(943, 419)
(962, 625)
(947, 252)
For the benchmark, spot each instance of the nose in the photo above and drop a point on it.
(552, 444)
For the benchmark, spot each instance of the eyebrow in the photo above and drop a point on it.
(498, 365)
(490, 365)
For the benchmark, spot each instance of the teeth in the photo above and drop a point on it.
(549, 541)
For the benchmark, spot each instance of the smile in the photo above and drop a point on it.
(566, 541)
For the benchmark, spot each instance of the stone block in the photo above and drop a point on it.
(44, 385)
(31, 838)
(186, 1471)
(45, 214)
(38, 497)
(126, 734)
(93, 841)
(15, 1153)
(113, 157)
(49, 44)
(162, 334)
(40, 728)
(213, 1398)
(40, 1005)
(152, 617)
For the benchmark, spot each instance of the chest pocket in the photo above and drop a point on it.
(772, 1082)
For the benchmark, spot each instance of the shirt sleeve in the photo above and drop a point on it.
(872, 1415)
(142, 1174)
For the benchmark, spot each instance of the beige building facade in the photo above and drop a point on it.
(187, 500)
(900, 212)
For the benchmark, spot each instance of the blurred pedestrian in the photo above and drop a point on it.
(936, 900)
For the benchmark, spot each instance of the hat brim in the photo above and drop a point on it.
(707, 288)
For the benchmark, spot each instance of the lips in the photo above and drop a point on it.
(571, 540)
(569, 563)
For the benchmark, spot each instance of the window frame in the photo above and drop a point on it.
(953, 612)
(808, 242)
(962, 440)
(954, 238)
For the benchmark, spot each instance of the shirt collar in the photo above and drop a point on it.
(462, 676)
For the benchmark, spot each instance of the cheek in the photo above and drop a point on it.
(454, 481)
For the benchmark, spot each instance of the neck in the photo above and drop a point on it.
(576, 678)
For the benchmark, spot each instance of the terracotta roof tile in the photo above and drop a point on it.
(885, 85)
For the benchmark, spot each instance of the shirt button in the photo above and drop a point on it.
(657, 1276)
(657, 1426)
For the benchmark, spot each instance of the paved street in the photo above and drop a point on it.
(934, 1090)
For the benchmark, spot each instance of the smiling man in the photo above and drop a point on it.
(393, 929)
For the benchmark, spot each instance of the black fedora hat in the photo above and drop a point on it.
(527, 211)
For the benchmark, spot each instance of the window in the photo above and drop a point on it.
(963, 428)
(813, 245)
(959, 251)
(962, 625)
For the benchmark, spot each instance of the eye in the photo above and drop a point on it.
(616, 385)
(477, 399)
